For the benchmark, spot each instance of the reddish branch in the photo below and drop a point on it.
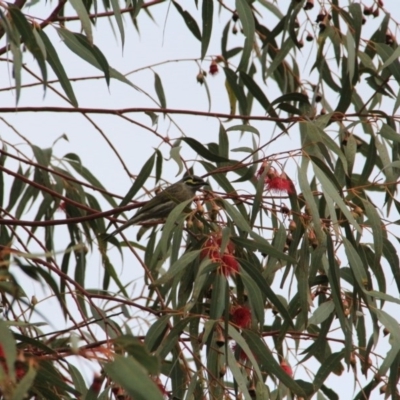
(54, 17)
(94, 213)
(66, 177)
(121, 111)
(108, 13)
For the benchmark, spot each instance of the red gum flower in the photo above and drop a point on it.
(241, 316)
(274, 181)
(229, 265)
(96, 384)
(242, 354)
(227, 261)
(213, 67)
(3, 360)
(286, 367)
(161, 387)
(279, 184)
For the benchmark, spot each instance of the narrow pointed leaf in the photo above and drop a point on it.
(84, 18)
(207, 17)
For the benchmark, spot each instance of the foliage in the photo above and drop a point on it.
(286, 259)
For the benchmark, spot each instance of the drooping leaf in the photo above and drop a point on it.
(84, 18)
(132, 377)
(207, 17)
(189, 21)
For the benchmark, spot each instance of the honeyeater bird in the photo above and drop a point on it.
(164, 202)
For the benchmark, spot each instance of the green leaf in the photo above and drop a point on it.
(156, 333)
(16, 190)
(296, 97)
(25, 384)
(390, 323)
(259, 94)
(8, 346)
(238, 375)
(203, 151)
(263, 354)
(246, 18)
(332, 269)
(219, 296)
(160, 90)
(178, 266)
(351, 48)
(388, 132)
(118, 18)
(266, 289)
(77, 379)
(171, 339)
(255, 296)
(207, 17)
(80, 45)
(237, 217)
(322, 313)
(91, 54)
(280, 57)
(55, 63)
(26, 32)
(175, 154)
(39, 42)
(332, 192)
(189, 21)
(376, 225)
(223, 142)
(132, 377)
(386, 53)
(244, 128)
(84, 18)
(139, 181)
(328, 366)
(238, 91)
(356, 264)
(135, 348)
(310, 201)
(17, 58)
(390, 253)
(238, 338)
(383, 296)
(175, 218)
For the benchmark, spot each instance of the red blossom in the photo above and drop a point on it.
(242, 354)
(241, 316)
(3, 360)
(229, 265)
(96, 384)
(213, 67)
(212, 249)
(279, 184)
(161, 387)
(286, 367)
(274, 181)
(62, 206)
(20, 370)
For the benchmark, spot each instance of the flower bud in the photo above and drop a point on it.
(367, 10)
(309, 5)
(213, 67)
(200, 77)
